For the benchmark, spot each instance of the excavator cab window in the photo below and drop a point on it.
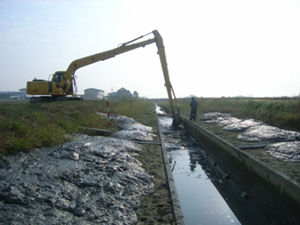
(58, 77)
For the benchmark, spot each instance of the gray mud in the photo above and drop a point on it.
(89, 180)
(284, 144)
(286, 151)
(242, 125)
(131, 129)
(267, 133)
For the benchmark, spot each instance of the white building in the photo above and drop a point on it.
(93, 94)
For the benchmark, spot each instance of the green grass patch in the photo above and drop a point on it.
(24, 126)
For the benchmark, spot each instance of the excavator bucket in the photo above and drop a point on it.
(176, 121)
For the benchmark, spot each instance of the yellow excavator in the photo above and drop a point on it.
(62, 85)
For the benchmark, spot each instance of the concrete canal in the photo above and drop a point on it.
(206, 194)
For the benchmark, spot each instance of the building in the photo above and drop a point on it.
(13, 95)
(93, 94)
(121, 93)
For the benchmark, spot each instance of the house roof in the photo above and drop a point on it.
(123, 89)
(93, 89)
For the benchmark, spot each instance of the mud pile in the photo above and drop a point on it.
(283, 144)
(286, 151)
(130, 129)
(267, 133)
(89, 180)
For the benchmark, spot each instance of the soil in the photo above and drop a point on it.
(155, 208)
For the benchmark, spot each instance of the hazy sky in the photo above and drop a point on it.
(214, 48)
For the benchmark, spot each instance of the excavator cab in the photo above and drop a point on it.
(57, 77)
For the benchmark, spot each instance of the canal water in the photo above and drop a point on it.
(194, 177)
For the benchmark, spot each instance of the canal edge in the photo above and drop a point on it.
(177, 210)
(258, 183)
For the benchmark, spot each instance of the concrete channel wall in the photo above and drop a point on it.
(274, 194)
(177, 210)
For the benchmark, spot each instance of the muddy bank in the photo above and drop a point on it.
(87, 181)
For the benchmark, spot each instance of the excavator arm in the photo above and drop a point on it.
(163, 60)
(68, 77)
(62, 81)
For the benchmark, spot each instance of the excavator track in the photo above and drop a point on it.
(53, 99)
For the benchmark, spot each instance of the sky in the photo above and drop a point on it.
(214, 48)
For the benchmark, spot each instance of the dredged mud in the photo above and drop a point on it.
(290, 169)
(281, 144)
(89, 180)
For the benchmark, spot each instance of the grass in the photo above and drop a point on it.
(279, 112)
(24, 126)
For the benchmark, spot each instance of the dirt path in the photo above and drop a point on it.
(157, 207)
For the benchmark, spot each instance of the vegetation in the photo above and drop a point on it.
(24, 126)
(279, 112)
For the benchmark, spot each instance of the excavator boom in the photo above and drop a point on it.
(79, 63)
(62, 82)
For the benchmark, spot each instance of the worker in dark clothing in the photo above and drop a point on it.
(193, 105)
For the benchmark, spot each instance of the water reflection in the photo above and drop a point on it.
(200, 200)
(159, 111)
